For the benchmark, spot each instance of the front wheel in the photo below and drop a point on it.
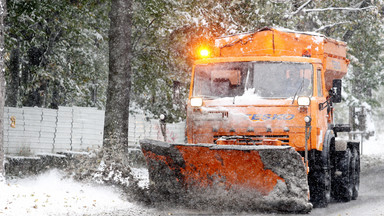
(320, 185)
(343, 185)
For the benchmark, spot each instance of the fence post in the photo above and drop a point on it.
(41, 122)
(72, 119)
(6, 125)
(55, 133)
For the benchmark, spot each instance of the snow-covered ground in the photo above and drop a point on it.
(52, 194)
(374, 146)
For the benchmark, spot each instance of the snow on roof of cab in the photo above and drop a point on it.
(317, 37)
(298, 32)
(244, 34)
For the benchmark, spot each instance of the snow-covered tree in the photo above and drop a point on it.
(159, 81)
(360, 24)
(56, 53)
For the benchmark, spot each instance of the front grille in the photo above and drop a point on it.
(254, 139)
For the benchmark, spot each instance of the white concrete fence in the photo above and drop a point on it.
(30, 131)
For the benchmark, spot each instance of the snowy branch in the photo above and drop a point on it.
(330, 26)
(141, 34)
(301, 8)
(338, 8)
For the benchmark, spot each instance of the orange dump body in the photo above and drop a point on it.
(273, 42)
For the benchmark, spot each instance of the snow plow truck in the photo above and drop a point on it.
(260, 125)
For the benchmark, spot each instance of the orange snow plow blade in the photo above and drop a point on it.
(260, 177)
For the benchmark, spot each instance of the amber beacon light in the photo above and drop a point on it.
(204, 53)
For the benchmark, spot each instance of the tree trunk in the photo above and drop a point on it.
(117, 107)
(2, 86)
(13, 87)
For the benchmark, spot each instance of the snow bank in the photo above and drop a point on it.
(372, 152)
(141, 174)
(373, 146)
(370, 161)
(2, 180)
(50, 194)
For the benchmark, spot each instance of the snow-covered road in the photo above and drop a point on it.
(51, 194)
(371, 195)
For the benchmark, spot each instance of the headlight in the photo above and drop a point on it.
(303, 101)
(307, 119)
(196, 102)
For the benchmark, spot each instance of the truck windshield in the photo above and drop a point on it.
(263, 79)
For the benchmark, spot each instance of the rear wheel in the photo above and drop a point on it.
(356, 173)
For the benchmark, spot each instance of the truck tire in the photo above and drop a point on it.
(320, 185)
(356, 173)
(344, 181)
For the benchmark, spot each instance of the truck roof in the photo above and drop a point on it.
(258, 58)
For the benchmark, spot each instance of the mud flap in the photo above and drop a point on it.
(235, 176)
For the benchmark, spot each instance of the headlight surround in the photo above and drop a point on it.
(196, 102)
(303, 101)
(307, 119)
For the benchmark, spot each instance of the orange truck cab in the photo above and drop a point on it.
(276, 87)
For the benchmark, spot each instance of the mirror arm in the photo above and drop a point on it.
(326, 103)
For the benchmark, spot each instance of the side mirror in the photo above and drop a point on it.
(336, 91)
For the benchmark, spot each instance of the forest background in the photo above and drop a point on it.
(56, 51)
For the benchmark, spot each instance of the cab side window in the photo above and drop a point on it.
(319, 85)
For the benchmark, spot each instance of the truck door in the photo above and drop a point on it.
(322, 115)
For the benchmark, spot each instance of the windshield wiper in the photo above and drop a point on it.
(299, 89)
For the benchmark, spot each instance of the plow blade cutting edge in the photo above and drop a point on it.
(247, 177)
